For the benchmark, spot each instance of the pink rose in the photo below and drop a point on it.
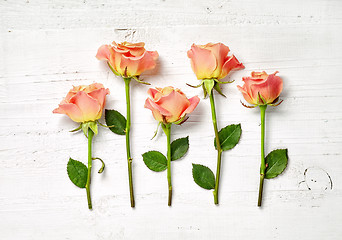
(169, 105)
(84, 103)
(128, 59)
(268, 86)
(212, 61)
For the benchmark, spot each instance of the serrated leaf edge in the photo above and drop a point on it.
(147, 165)
(287, 160)
(230, 134)
(194, 178)
(116, 127)
(70, 159)
(187, 138)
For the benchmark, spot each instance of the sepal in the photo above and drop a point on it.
(92, 125)
(136, 78)
(182, 120)
(204, 91)
(218, 89)
(155, 132)
(208, 85)
(76, 129)
(220, 82)
(247, 106)
(113, 70)
(197, 86)
(165, 126)
(276, 102)
(261, 99)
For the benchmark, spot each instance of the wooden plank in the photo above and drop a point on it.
(48, 46)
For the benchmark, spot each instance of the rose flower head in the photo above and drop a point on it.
(261, 88)
(84, 103)
(170, 105)
(128, 59)
(211, 61)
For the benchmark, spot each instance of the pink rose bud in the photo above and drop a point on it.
(84, 103)
(261, 88)
(169, 105)
(128, 59)
(212, 61)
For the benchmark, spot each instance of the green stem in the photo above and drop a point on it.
(263, 165)
(261, 186)
(128, 149)
(167, 130)
(218, 147)
(90, 138)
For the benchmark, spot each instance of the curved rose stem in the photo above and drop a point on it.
(90, 159)
(128, 149)
(218, 147)
(263, 165)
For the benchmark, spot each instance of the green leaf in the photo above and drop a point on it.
(229, 136)
(115, 121)
(179, 147)
(77, 173)
(276, 163)
(203, 176)
(155, 161)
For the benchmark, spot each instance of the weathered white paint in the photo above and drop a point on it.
(47, 46)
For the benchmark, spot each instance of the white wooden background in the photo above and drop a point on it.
(48, 46)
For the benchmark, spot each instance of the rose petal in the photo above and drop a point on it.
(100, 95)
(70, 110)
(270, 89)
(92, 87)
(203, 62)
(230, 64)
(90, 108)
(246, 96)
(155, 94)
(259, 75)
(131, 63)
(154, 55)
(175, 103)
(157, 111)
(152, 92)
(103, 53)
(115, 62)
(220, 51)
(137, 65)
(193, 104)
(133, 49)
(147, 62)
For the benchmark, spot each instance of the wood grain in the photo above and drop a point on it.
(48, 46)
